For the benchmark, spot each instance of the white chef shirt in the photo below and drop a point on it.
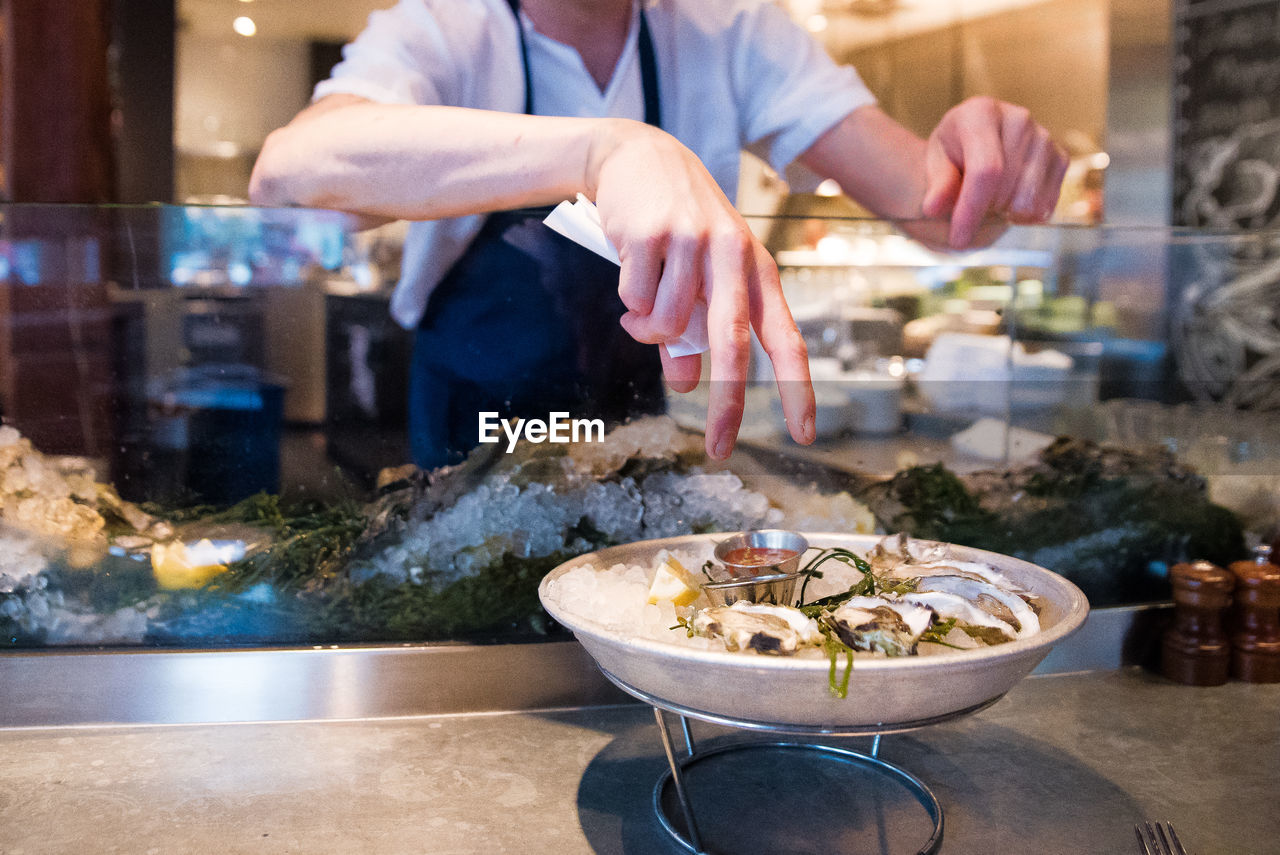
(562, 86)
(732, 75)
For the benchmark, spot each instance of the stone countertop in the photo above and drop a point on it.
(1063, 764)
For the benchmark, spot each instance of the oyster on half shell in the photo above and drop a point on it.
(891, 627)
(977, 622)
(1008, 606)
(759, 627)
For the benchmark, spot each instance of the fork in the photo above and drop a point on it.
(1158, 838)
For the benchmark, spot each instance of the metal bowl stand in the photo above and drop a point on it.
(692, 840)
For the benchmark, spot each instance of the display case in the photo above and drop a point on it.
(203, 444)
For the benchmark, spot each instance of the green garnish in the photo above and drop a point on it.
(938, 631)
(834, 647)
(840, 554)
(870, 585)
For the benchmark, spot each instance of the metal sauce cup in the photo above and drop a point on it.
(758, 583)
(777, 589)
(762, 539)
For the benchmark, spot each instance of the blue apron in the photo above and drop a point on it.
(526, 324)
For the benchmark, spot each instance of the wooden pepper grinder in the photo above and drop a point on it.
(1255, 635)
(1196, 649)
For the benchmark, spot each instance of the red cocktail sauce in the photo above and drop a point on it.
(757, 556)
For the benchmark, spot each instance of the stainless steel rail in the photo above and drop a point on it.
(180, 687)
(130, 686)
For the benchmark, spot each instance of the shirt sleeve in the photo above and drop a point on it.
(790, 90)
(396, 59)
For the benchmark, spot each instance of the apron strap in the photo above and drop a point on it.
(524, 59)
(649, 74)
(648, 68)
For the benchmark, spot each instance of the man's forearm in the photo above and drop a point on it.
(986, 163)
(418, 163)
(876, 161)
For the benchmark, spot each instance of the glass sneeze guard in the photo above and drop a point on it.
(203, 439)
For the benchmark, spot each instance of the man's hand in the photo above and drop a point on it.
(985, 164)
(680, 239)
(989, 158)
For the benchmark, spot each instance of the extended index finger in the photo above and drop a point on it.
(729, 337)
(781, 340)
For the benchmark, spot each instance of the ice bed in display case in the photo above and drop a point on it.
(206, 511)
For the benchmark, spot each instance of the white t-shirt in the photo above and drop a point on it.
(732, 75)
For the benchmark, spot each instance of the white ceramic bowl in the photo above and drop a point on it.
(791, 691)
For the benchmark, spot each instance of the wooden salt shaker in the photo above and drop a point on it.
(1255, 635)
(1196, 650)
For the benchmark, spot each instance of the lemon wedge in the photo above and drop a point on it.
(673, 582)
(178, 566)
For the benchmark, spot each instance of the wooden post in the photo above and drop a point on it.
(55, 102)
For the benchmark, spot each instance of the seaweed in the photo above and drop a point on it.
(936, 505)
(309, 540)
(1110, 520)
(502, 596)
(502, 599)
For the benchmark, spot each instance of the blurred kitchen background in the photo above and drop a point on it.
(143, 101)
(193, 86)
(1095, 72)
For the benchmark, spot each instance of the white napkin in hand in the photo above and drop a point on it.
(580, 222)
